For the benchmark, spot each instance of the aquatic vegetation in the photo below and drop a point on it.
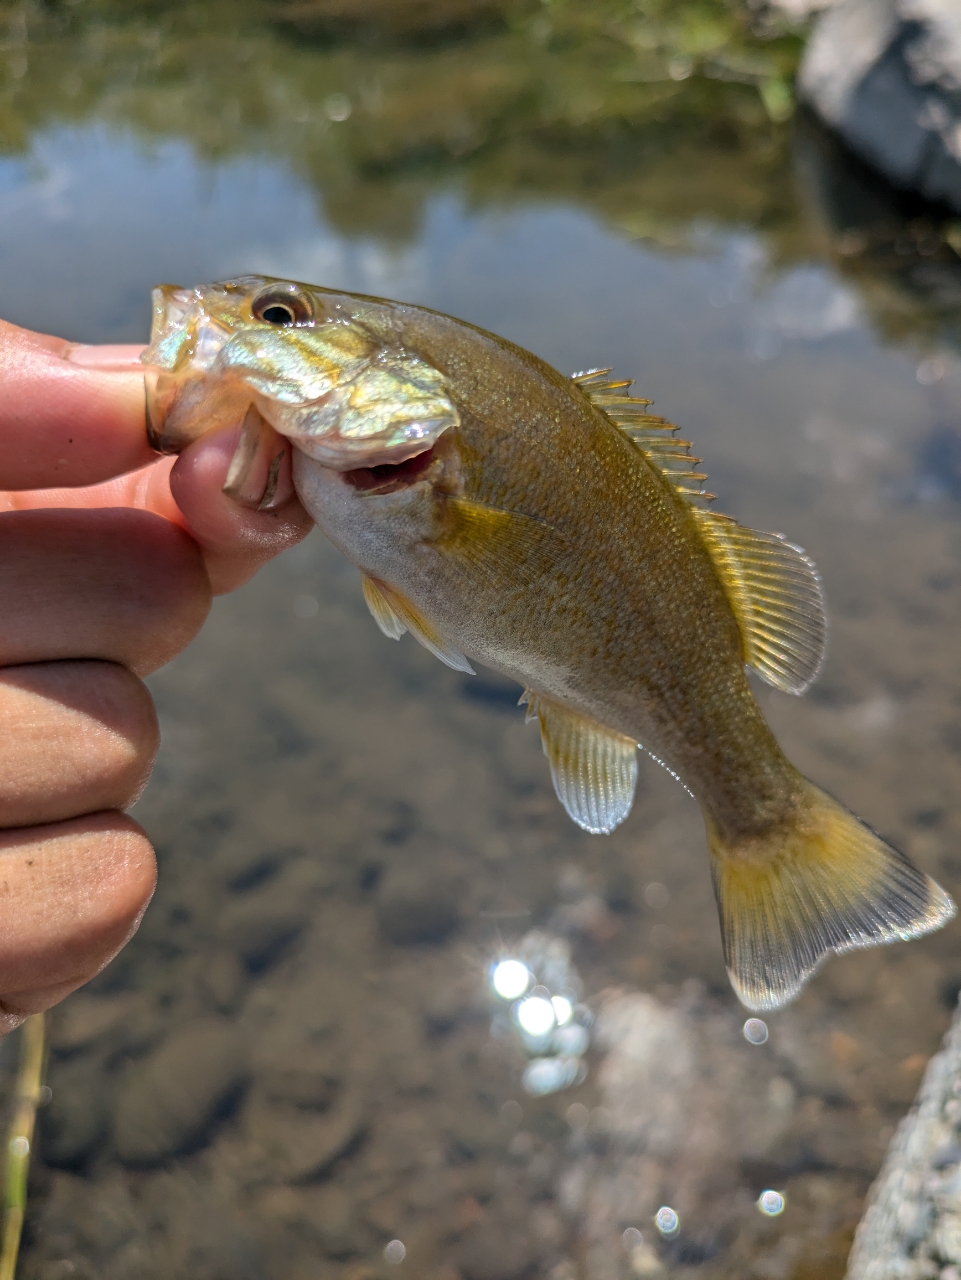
(590, 100)
(28, 1091)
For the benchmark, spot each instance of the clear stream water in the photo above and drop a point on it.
(302, 1066)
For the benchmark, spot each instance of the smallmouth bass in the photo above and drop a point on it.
(556, 531)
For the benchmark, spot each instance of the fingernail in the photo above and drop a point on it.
(109, 357)
(259, 475)
(280, 482)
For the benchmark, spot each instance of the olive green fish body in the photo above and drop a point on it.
(622, 617)
(552, 529)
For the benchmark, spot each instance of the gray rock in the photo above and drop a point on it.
(170, 1102)
(886, 74)
(911, 1228)
(261, 928)
(490, 1252)
(304, 1145)
(416, 906)
(223, 981)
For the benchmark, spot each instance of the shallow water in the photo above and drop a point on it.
(301, 1057)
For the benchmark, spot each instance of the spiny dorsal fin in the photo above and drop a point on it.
(775, 592)
(653, 435)
(593, 769)
(395, 614)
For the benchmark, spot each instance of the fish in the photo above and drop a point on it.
(554, 529)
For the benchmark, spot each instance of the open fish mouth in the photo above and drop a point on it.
(390, 477)
(340, 393)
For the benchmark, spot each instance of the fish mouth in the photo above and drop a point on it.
(390, 477)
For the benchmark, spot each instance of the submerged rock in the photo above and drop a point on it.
(416, 906)
(172, 1099)
(886, 75)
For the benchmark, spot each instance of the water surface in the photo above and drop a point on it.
(301, 1058)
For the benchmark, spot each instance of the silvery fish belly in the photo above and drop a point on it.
(554, 529)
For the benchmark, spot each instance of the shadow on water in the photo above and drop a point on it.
(309, 1052)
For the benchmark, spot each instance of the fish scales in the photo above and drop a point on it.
(551, 528)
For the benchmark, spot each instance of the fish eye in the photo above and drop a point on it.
(282, 305)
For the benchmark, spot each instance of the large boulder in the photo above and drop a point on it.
(886, 75)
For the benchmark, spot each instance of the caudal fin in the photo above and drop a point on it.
(823, 883)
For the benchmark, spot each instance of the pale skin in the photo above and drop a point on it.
(109, 557)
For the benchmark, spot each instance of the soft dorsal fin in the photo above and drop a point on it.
(653, 435)
(772, 586)
(395, 614)
(594, 770)
(776, 595)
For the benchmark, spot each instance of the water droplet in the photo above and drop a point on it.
(755, 1031)
(19, 1147)
(631, 1238)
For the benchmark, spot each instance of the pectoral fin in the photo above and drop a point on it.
(500, 548)
(594, 770)
(395, 614)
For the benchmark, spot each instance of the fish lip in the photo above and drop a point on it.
(156, 406)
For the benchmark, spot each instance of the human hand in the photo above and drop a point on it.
(108, 559)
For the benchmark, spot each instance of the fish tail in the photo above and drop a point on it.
(821, 882)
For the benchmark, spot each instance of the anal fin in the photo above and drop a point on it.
(594, 770)
(395, 614)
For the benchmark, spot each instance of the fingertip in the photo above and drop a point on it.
(64, 420)
(236, 539)
(73, 894)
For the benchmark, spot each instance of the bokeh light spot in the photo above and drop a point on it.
(535, 1015)
(510, 979)
(667, 1221)
(771, 1203)
(755, 1031)
(563, 1009)
(395, 1252)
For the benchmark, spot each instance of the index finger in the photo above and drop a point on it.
(69, 415)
